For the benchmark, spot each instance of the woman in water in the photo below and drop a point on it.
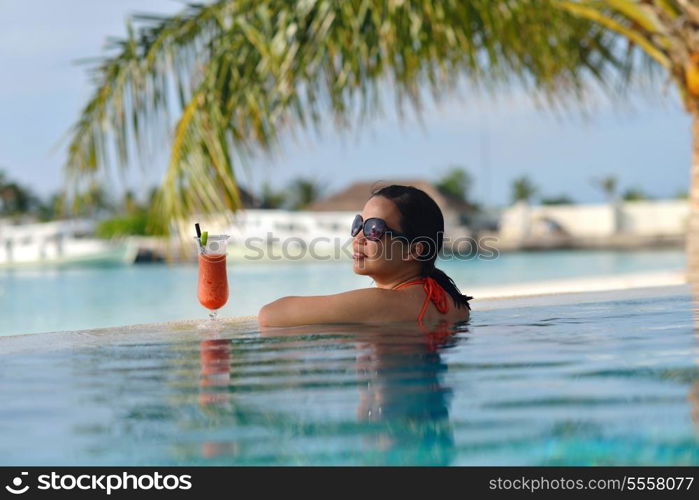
(397, 238)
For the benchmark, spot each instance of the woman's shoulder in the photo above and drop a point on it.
(355, 305)
(381, 304)
(373, 296)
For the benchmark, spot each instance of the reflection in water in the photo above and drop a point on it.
(215, 357)
(214, 379)
(693, 396)
(403, 392)
(402, 415)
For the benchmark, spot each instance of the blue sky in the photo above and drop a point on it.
(646, 144)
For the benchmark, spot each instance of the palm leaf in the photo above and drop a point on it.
(238, 74)
(639, 38)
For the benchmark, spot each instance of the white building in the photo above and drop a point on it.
(631, 223)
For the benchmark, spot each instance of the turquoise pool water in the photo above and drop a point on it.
(609, 378)
(70, 299)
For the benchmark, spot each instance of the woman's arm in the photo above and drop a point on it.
(364, 305)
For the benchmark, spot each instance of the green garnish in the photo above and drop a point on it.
(204, 237)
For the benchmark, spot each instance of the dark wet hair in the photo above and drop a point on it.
(422, 221)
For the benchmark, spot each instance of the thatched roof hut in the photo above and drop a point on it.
(353, 197)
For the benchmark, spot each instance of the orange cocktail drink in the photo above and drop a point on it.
(212, 288)
(213, 281)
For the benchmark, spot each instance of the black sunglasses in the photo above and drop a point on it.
(374, 228)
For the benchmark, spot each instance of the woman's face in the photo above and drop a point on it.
(386, 256)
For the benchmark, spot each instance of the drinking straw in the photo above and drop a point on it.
(201, 244)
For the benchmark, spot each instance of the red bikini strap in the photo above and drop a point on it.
(433, 292)
(408, 283)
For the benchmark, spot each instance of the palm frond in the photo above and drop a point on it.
(238, 74)
(639, 37)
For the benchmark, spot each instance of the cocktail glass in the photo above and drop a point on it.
(213, 281)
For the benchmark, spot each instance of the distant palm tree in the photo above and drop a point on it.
(562, 199)
(93, 202)
(303, 191)
(15, 199)
(455, 182)
(270, 198)
(523, 189)
(129, 203)
(55, 207)
(608, 185)
(634, 194)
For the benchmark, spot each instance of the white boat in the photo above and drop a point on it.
(60, 244)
